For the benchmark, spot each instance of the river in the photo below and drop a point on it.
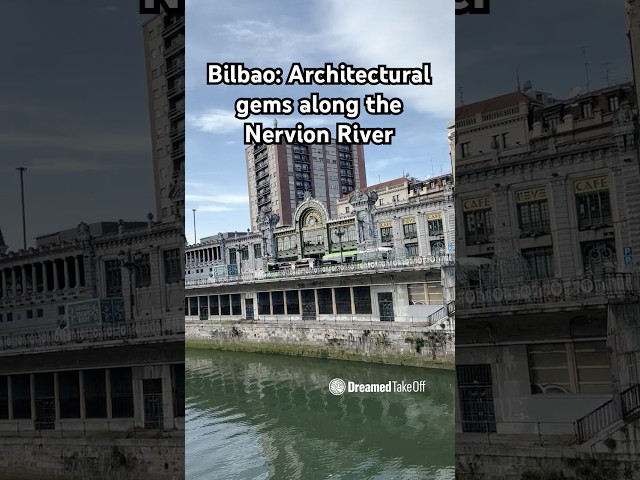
(267, 417)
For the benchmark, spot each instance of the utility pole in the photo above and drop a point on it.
(195, 237)
(24, 222)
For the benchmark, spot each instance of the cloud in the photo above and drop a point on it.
(224, 199)
(215, 120)
(214, 208)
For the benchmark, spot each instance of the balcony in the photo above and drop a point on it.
(174, 70)
(549, 293)
(177, 90)
(176, 134)
(177, 152)
(172, 28)
(366, 268)
(107, 334)
(175, 46)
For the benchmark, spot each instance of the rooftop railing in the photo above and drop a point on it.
(416, 263)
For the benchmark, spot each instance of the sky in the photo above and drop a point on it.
(364, 33)
(547, 42)
(74, 111)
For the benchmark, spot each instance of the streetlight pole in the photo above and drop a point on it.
(340, 231)
(24, 222)
(195, 237)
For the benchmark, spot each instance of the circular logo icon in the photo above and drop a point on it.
(337, 386)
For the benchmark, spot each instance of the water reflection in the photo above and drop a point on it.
(255, 416)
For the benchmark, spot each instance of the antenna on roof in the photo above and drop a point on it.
(528, 86)
(586, 67)
(275, 123)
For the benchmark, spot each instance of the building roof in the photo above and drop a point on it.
(379, 186)
(492, 105)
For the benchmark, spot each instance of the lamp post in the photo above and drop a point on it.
(130, 260)
(24, 222)
(340, 231)
(195, 237)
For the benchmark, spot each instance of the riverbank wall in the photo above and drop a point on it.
(394, 344)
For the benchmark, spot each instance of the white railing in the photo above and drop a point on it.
(365, 266)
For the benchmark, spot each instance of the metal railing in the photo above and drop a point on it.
(597, 420)
(141, 330)
(631, 401)
(399, 322)
(365, 266)
(553, 290)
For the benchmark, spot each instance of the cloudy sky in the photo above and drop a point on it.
(73, 110)
(277, 33)
(547, 41)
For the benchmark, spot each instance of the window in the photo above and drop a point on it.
(410, 230)
(386, 234)
(586, 109)
(551, 121)
(614, 103)
(343, 300)
(257, 250)
(594, 209)
(540, 262)
(177, 387)
(264, 303)
(29, 314)
(236, 305)
(599, 257)
(437, 248)
(39, 313)
(69, 394)
(143, 271)
(435, 227)
(277, 300)
(121, 381)
(225, 306)
(346, 210)
(95, 393)
(411, 249)
(362, 300)
(325, 301)
(505, 138)
(534, 217)
(4, 397)
(172, 267)
(21, 396)
(244, 253)
(232, 256)
(478, 226)
(293, 304)
(465, 149)
(214, 308)
(113, 278)
(579, 367)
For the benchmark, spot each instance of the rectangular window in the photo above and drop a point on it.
(236, 305)
(225, 306)
(121, 381)
(586, 109)
(193, 306)
(540, 262)
(599, 257)
(614, 103)
(325, 301)
(264, 303)
(410, 230)
(277, 300)
(435, 227)
(69, 394)
(579, 367)
(343, 300)
(143, 271)
(214, 308)
(177, 384)
(95, 393)
(4, 397)
(478, 226)
(594, 209)
(244, 253)
(293, 303)
(465, 149)
(386, 234)
(113, 278)
(257, 250)
(232, 256)
(173, 270)
(21, 396)
(417, 294)
(362, 300)
(534, 217)
(411, 249)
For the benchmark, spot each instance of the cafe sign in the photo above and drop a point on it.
(386, 224)
(408, 221)
(479, 203)
(434, 216)
(592, 184)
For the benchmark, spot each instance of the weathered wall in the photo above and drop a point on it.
(79, 458)
(394, 344)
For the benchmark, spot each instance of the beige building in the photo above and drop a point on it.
(164, 39)
(547, 285)
(279, 176)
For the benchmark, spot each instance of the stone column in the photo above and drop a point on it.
(34, 279)
(4, 283)
(55, 274)
(14, 284)
(76, 264)
(45, 276)
(65, 264)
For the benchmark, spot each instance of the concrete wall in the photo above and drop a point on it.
(385, 344)
(77, 458)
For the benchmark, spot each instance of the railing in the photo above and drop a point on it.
(631, 401)
(438, 315)
(54, 338)
(553, 290)
(596, 421)
(366, 266)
